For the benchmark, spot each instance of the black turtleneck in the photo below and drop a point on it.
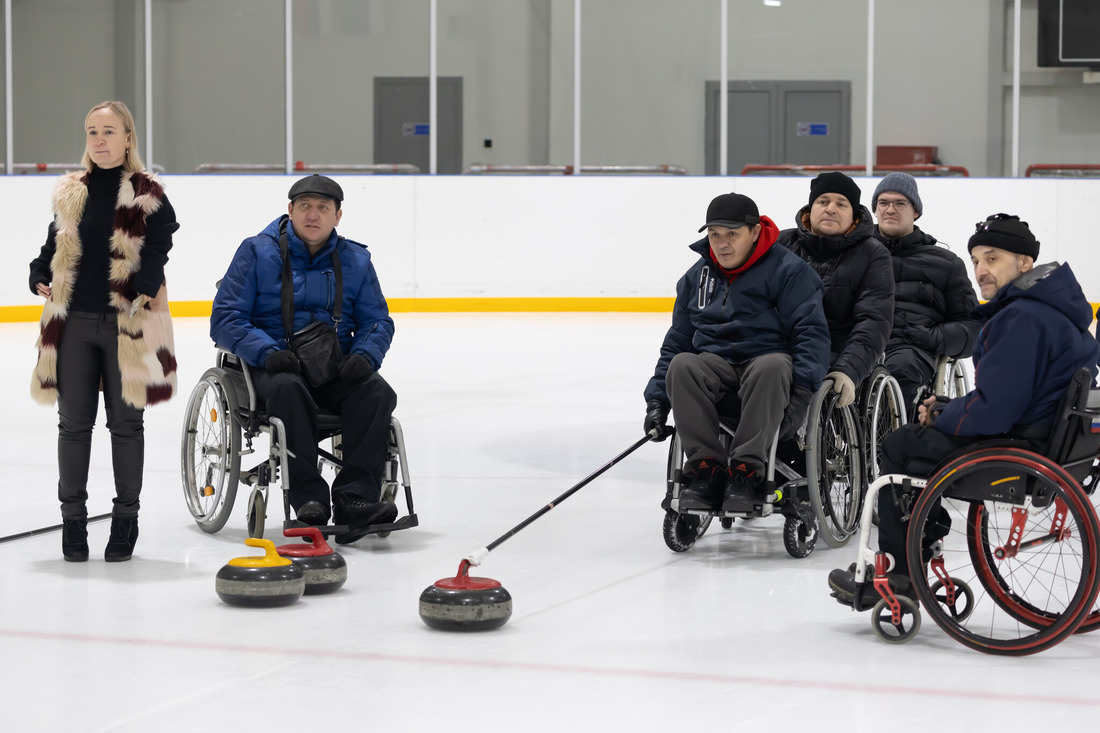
(90, 292)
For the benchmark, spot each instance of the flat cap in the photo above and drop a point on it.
(316, 185)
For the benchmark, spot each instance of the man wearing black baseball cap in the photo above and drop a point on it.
(1034, 337)
(834, 234)
(747, 324)
(330, 283)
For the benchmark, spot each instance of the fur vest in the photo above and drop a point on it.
(146, 354)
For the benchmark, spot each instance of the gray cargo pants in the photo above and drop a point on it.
(696, 383)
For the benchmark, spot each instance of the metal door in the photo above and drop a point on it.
(780, 122)
(401, 122)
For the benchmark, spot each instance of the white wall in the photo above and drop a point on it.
(586, 236)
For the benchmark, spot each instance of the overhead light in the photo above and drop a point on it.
(773, 3)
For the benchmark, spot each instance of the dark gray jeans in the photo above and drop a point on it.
(87, 358)
(696, 383)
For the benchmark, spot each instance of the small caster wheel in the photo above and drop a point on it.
(257, 513)
(963, 604)
(726, 522)
(882, 621)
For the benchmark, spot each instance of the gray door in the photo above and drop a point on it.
(815, 124)
(401, 122)
(780, 122)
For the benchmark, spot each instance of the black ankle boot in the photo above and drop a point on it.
(74, 540)
(124, 534)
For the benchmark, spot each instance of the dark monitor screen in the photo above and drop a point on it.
(1069, 33)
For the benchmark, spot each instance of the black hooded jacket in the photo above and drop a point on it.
(859, 289)
(933, 298)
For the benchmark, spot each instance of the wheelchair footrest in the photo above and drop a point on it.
(326, 530)
(405, 522)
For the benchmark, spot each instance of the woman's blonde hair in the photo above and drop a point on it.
(132, 161)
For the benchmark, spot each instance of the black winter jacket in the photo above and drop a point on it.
(933, 298)
(859, 290)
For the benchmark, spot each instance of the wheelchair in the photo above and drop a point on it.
(1014, 571)
(826, 501)
(222, 407)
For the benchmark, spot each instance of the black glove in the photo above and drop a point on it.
(355, 368)
(936, 408)
(283, 361)
(795, 414)
(656, 419)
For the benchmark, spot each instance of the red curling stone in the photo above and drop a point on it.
(325, 570)
(463, 603)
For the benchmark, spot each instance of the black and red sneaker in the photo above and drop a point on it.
(744, 490)
(707, 479)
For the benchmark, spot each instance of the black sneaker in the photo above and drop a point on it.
(313, 512)
(744, 488)
(359, 515)
(707, 481)
(74, 540)
(843, 585)
(124, 534)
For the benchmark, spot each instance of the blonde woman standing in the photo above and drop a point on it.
(105, 325)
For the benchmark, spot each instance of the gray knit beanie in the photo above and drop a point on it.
(902, 183)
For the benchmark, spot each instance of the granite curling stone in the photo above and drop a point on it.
(260, 582)
(463, 603)
(324, 569)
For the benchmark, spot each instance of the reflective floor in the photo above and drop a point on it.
(611, 630)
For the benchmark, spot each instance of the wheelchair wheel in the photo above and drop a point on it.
(682, 530)
(958, 381)
(1021, 529)
(884, 411)
(799, 537)
(834, 471)
(210, 458)
(908, 622)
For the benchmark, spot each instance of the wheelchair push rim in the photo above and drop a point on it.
(1029, 554)
(834, 469)
(210, 458)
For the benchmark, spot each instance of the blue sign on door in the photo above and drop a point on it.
(410, 129)
(812, 129)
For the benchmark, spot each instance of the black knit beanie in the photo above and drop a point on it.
(1007, 232)
(835, 182)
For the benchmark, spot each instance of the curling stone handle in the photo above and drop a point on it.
(311, 533)
(476, 557)
(271, 555)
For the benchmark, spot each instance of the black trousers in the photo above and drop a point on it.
(915, 451)
(365, 408)
(87, 358)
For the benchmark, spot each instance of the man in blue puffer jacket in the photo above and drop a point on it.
(247, 320)
(748, 321)
(1033, 340)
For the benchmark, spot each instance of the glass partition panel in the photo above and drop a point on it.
(56, 82)
(218, 83)
(344, 51)
(932, 86)
(500, 50)
(644, 65)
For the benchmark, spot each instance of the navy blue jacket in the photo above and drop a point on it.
(247, 318)
(1035, 337)
(774, 306)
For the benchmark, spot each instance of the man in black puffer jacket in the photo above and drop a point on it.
(933, 297)
(835, 236)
